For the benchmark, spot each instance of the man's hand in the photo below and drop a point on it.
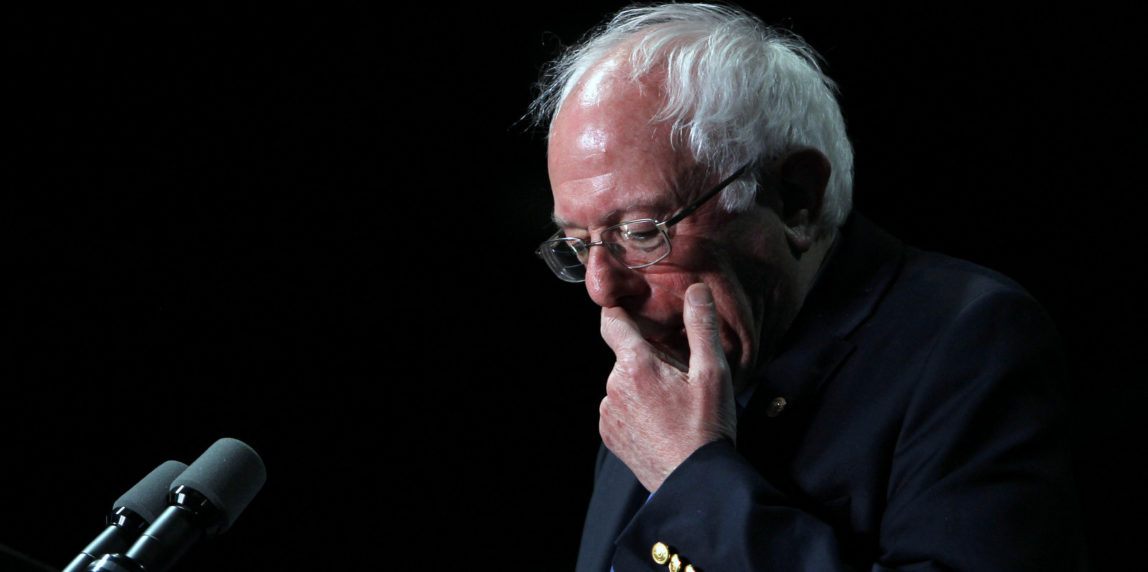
(654, 414)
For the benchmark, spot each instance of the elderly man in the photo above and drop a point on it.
(793, 389)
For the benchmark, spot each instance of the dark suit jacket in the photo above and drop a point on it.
(924, 429)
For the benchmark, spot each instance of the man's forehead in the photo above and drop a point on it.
(592, 191)
(605, 203)
(610, 159)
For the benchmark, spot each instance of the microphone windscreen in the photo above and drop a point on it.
(148, 497)
(229, 473)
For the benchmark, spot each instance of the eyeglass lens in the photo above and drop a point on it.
(635, 244)
(563, 258)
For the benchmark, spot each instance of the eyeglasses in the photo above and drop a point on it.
(634, 243)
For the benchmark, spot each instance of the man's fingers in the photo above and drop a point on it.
(618, 329)
(700, 316)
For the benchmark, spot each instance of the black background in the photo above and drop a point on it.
(312, 229)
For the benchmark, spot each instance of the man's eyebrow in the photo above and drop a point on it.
(608, 218)
(559, 222)
(563, 223)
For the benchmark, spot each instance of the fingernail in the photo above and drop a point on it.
(699, 296)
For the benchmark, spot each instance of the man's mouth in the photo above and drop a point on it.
(674, 347)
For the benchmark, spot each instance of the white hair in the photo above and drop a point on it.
(737, 91)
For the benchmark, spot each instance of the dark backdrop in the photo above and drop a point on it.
(312, 229)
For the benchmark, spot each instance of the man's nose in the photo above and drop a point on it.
(608, 281)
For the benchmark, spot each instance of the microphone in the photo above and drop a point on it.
(131, 514)
(203, 502)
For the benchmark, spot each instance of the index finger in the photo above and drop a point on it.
(619, 330)
(624, 336)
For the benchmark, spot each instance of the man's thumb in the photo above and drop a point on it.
(700, 317)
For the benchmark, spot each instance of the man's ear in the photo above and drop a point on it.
(804, 176)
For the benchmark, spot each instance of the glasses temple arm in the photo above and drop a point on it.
(694, 205)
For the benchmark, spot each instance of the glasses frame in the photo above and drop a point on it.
(662, 226)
